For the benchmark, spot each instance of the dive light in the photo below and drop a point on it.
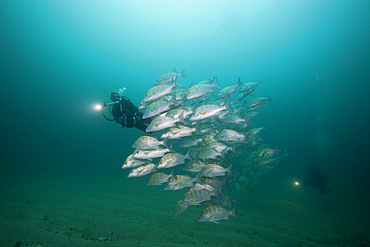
(99, 107)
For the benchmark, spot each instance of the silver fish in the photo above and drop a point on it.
(190, 141)
(219, 147)
(142, 170)
(195, 197)
(214, 182)
(258, 101)
(250, 109)
(159, 91)
(181, 181)
(225, 92)
(178, 132)
(194, 166)
(231, 118)
(209, 110)
(199, 186)
(173, 159)
(209, 153)
(214, 170)
(150, 154)
(148, 142)
(201, 89)
(164, 122)
(248, 86)
(267, 153)
(209, 81)
(231, 135)
(159, 107)
(179, 209)
(131, 162)
(175, 112)
(253, 133)
(216, 213)
(169, 76)
(160, 178)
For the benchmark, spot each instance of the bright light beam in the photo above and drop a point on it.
(98, 107)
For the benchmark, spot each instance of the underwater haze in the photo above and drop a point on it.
(60, 171)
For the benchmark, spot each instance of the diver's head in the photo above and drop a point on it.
(114, 96)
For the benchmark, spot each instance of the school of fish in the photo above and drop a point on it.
(205, 141)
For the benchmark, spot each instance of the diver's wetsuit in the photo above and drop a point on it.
(132, 115)
(317, 179)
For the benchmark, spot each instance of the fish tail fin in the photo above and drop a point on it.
(171, 148)
(219, 192)
(188, 155)
(246, 135)
(230, 170)
(197, 178)
(184, 95)
(183, 73)
(215, 83)
(240, 82)
(233, 149)
(223, 154)
(197, 129)
(181, 118)
(165, 142)
(214, 79)
(203, 138)
(226, 183)
(177, 84)
(228, 107)
(174, 101)
(234, 213)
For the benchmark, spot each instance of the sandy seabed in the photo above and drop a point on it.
(117, 211)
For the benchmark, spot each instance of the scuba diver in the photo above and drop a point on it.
(317, 179)
(126, 113)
